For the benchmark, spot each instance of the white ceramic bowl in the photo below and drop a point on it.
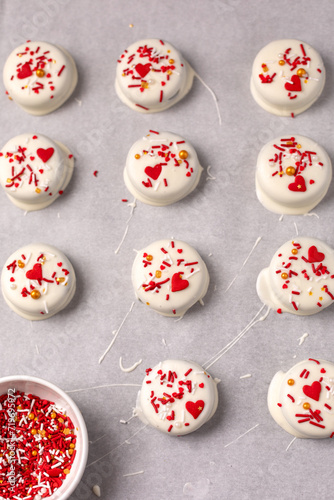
(50, 392)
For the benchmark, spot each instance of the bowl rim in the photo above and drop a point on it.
(82, 459)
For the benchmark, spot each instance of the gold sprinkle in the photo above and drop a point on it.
(70, 452)
(9, 180)
(310, 293)
(171, 61)
(72, 445)
(60, 280)
(31, 416)
(298, 146)
(301, 72)
(144, 85)
(158, 274)
(66, 471)
(294, 251)
(169, 72)
(284, 276)
(33, 431)
(54, 61)
(40, 73)
(291, 381)
(290, 170)
(53, 414)
(20, 264)
(306, 406)
(147, 303)
(149, 257)
(281, 62)
(137, 156)
(37, 190)
(321, 298)
(168, 51)
(34, 453)
(66, 431)
(183, 154)
(130, 25)
(35, 294)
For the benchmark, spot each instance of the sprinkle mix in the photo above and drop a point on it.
(37, 283)
(37, 446)
(305, 277)
(150, 69)
(311, 390)
(37, 70)
(162, 157)
(177, 399)
(167, 272)
(293, 70)
(27, 166)
(289, 159)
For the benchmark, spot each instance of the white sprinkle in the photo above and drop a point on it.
(78, 101)
(246, 376)
(302, 338)
(97, 490)
(294, 439)
(296, 228)
(133, 473)
(312, 214)
(131, 368)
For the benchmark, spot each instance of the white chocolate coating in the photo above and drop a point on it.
(152, 76)
(282, 191)
(300, 277)
(40, 77)
(155, 173)
(301, 400)
(177, 397)
(288, 76)
(38, 281)
(34, 170)
(169, 276)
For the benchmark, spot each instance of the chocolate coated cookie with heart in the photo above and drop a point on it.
(169, 276)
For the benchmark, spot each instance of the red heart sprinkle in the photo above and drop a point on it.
(295, 86)
(35, 273)
(34, 137)
(153, 172)
(298, 185)
(312, 391)
(162, 267)
(24, 71)
(143, 69)
(279, 311)
(195, 409)
(179, 250)
(178, 283)
(314, 255)
(311, 181)
(45, 154)
(322, 370)
(59, 264)
(201, 385)
(32, 158)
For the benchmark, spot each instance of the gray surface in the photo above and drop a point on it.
(222, 218)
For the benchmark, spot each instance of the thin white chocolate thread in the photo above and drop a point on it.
(133, 473)
(133, 206)
(244, 263)
(116, 334)
(236, 339)
(291, 442)
(213, 96)
(242, 435)
(102, 387)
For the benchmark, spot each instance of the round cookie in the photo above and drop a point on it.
(299, 279)
(39, 77)
(293, 175)
(288, 76)
(301, 400)
(34, 170)
(177, 397)
(161, 168)
(152, 76)
(38, 281)
(169, 276)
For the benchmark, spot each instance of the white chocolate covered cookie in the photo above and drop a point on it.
(38, 281)
(39, 77)
(161, 168)
(301, 400)
(34, 170)
(151, 76)
(300, 277)
(288, 76)
(177, 397)
(293, 175)
(169, 276)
